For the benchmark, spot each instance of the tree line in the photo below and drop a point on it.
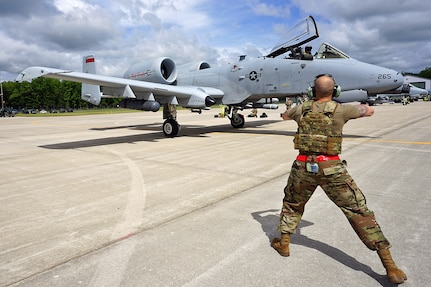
(44, 93)
(424, 73)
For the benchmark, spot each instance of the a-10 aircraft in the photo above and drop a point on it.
(248, 83)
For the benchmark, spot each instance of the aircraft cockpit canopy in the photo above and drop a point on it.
(303, 32)
(327, 51)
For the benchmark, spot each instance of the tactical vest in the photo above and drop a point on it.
(315, 135)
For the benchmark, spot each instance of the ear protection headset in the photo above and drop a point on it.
(335, 93)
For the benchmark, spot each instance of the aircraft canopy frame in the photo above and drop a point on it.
(303, 32)
(327, 51)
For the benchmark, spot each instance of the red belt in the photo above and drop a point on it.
(319, 158)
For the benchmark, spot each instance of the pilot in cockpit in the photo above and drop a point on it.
(307, 53)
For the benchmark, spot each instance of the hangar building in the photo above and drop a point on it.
(419, 82)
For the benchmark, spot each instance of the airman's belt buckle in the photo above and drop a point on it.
(312, 167)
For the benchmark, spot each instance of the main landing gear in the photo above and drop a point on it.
(170, 125)
(236, 120)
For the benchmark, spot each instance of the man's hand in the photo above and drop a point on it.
(365, 111)
(284, 115)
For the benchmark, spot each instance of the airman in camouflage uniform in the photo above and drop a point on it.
(318, 164)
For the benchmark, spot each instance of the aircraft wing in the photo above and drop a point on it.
(197, 96)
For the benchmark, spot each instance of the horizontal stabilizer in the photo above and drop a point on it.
(35, 72)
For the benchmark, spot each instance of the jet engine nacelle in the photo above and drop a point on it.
(199, 66)
(161, 70)
(352, 96)
(193, 67)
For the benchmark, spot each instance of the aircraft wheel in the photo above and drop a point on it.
(171, 128)
(237, 121)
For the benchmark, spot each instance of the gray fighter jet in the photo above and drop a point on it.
(286, 71)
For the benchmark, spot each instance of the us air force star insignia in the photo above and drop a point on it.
(252, 76)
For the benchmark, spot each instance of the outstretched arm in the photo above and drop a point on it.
(285, 116)
(365, 111)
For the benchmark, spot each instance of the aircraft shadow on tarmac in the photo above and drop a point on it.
(186, 131)
(269, 220)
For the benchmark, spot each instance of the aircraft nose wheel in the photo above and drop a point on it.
(171, 128)
(237, 120)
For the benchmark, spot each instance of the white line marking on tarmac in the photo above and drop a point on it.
(111, 268)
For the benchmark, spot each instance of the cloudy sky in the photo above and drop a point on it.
(57, 33)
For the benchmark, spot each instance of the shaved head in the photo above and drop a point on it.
(324, 86)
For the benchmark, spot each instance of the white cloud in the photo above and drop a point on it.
(70, 6)
(57, 33)
(267, 9)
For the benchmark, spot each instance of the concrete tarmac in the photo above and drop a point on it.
(107, 200)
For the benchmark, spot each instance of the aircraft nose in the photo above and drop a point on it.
(399, 78)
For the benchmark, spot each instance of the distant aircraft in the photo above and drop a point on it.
(416, 92)
(248, 83)
(410, 91)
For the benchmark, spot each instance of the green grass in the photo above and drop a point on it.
(80, 113)
(99, 111)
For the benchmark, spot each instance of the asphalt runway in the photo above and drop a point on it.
(107, 200)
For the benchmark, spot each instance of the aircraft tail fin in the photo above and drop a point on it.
(90, 93)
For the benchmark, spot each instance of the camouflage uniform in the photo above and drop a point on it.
(338, 185)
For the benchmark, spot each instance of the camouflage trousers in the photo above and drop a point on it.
(339, 186)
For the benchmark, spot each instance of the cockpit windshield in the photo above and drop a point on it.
(327, 51)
